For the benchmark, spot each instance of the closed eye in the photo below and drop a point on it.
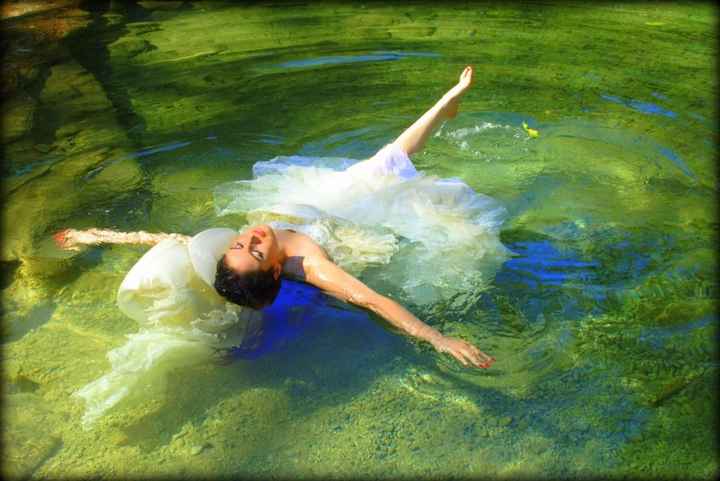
(256, 254)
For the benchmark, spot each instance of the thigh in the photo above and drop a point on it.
(390, 160)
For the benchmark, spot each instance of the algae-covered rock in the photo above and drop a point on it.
(17, 118)
(184, 199)
(89, 304)
(29, 434)
(28, 300)
(78, 356)
(122, 174)
(153, 5)
(90, 144)
(128, 47)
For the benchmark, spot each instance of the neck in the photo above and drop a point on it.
(281, 236)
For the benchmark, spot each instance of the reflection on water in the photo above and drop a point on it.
(644, 107)
(339, 59)
(161, 148)
(540, 263)
(603, 320)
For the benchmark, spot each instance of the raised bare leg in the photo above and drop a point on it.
(413, 139)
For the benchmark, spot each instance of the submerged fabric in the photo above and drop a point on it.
(207, 248)
(182, 320)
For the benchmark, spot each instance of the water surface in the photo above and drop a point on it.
(603, 323)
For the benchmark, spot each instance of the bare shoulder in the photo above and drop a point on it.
(303, 253)
(301, 245)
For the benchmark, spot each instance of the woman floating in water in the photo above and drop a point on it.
(314, 225)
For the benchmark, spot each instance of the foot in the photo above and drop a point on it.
(453, 96)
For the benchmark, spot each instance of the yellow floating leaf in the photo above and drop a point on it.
(531, 132)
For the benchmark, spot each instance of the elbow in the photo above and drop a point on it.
(376, 304)
(364, 301)
(358, 299)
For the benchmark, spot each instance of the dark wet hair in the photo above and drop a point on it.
(255, 289)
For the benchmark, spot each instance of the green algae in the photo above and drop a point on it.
(604, 374)
(89, 141)
(28, 446)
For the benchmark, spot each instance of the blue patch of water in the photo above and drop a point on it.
(643, 107)
(382, 56)
(540, 263)
(161, 148)
(29, 167)
(283, 321)
(657, 337)
(298, 308)
(675, 159)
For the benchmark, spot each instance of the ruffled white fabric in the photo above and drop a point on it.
(353, 247)
(183, 321)
(439, 236)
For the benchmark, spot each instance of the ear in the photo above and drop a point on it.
(277, 269)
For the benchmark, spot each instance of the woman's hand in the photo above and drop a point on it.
(72, 239)
(464, 352)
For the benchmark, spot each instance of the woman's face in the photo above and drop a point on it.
(254, 249)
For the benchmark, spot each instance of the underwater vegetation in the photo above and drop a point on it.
(593, 126)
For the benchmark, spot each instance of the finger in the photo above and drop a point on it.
(485, 361)
(478, 352)
(474, 359)
(478, 356)
(459, 358)
(487, 364)
(470, 354)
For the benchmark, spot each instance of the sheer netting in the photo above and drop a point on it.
(183, 321)
(437, 236)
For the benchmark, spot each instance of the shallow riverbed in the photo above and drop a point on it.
(603, 322)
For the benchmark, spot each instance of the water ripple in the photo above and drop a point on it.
(643, 107)
(382, 56)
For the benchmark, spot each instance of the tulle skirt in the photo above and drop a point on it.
(436, 236)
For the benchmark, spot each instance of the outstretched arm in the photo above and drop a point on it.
(72, 239)
(330, 278)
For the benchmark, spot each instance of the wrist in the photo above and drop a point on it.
(431, 335)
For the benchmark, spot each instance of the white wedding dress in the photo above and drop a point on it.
(435, 237)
